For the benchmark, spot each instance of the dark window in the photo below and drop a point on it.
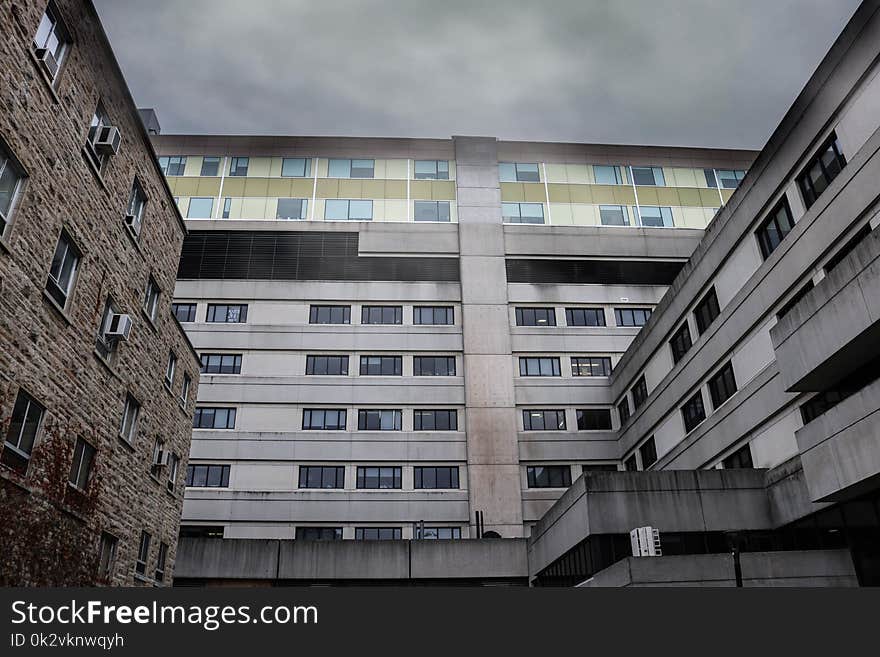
(227, 314)
(324, 419)
(184, 312)
(623, 410)
(11, 180)
(722, 385)
(437, 533)
(143, 553)
(741, 458)
(83, 455)
(680, 342)
(828, 399)
(548, 476)
(539, 366)
(599, 467)
(821, 170)
(522, 213)
(648, 176)
(434, 366)
(291, 208)
(536, 317)
(130, 413)
(382, 315)
(847, 248)
(774, 228)
(159, 575)
(648, 452)
(221, 363)
(613, 215)
(207, 476)
(382, 477)
(172, 165)
(432, 170)
(330, 315)
(632, 316)
(442, 315)
(432, 211)
(62, 271)
(543, 420)
(379, 420)
(585, 317)
(227, 208)
(432, 477)
(137, 201)
(693, 412)
(201, 531)
(238, 166)
(377, 533)
(319, 533)
(210, 166)
(381, 365)
(107, 556)
(630, 465)
(651, 216)
(214, 418)
(590, 366)
(518, 172)
(24, 425)
(321, 476)
(594, 419)
(795, 300)
(151, 299)
(435, 420)
(639, 393)
(706, 311)
(327, 365)
(296, 167)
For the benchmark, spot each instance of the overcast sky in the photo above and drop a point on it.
(674, 72)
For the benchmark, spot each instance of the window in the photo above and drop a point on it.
(680, 342)
(27, 416)
(381, 365)
(548, 476)
(238, 166)
(62, 272)
(728, 178)
(379, 420)
(160, 562)
(135, 210)
(585, 316)
(130, 412)
(706, 311)
(104, 346)
(319, 533)
(522, 213)
(184, 390)
(151, 299)
(379, 477)
(648, 176)
(221, 363)
(594, 419)
(437, 533)
(539, 366)
(321, 476)
(435, 477)
(143, 553)
(169, 369)
(324, 419)
(432, 170)
(200, 208)
(382, 315)
(518, 172)
(201, 531)
(599, 467)
(741, 458)
(630, 465)
(11, 179)
(296, 167)
(350, 168)
(214, 418)
(851, 384)
(348, 210)
(435, 420)
(330, 315)
(51, 41)
(434, 366)
(435, 315)
(227, 208)
(632, 316)
(791, 303)
(648, 452)
(651, 216)
(543, 420)
(107, 555)
(207, 476)
(613, 215)
(227, 313)
(432, 211)
(184, 312)
(590, 366)
(722, 385)
(639, 393)
(847, 248)
(774, 228)
(623, 410)
(210, 166)
(173, 465)
(377, 533)
(821, 170)
(172, 165)
(327, 365)
(100, 120)
(607, 175)
(156, 462)
(535, 317)
(291, 208)
(693, 412)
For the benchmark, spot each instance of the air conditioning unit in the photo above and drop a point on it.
(132, 224)
(107, 140)
(645, 542)
(163, 459)
(120, 327)
(47, 61)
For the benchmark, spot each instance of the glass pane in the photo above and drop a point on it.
(335, 209)
(507, 172)
(200, 208)
(362, 210)
(527, 172)
(293, 167)
(427, 211)
(612, 215)
(339, 169)
(290, 208)
(606, 175)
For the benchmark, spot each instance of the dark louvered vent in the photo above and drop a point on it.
(625, 272)
(300, 256)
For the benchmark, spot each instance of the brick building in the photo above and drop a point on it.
(97, 379)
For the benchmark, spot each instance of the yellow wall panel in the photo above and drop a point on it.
(534, 192)
(581, 193)
(350, 188)
(233, 186)
(452, 169)
(686, 177)
(690, 218)
(623, 195)
(187, 187)
(604, 195)
(395, 170)
(726, 194)
(253, 208)
(258, 167)
(208, 186)
(395, 189)
(256, 187)
(580, 174)
(172, 185)
(709, 198)
(316, 212)
(279, 187)
(328, 188)
(648, 196)
(275, 167)
(271, 208)
(395, 210)
(560, 213)
(556, 173)
(420, 190)
(235, 208)
(193, 165)
(667, 196)
(584, 215)
(512, 192)
(442, 190)
(453, 213)
(301, 187)
(372, 189)
(689, 197)
(559, 193)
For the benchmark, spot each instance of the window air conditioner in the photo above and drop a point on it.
(107, 140)
(120, 327)
(645, 542)
(47, 61)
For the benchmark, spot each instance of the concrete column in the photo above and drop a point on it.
(493, 455)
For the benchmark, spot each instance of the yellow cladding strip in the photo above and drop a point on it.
(243, 187)
(697, 197)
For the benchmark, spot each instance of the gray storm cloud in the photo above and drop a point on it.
(685, 72)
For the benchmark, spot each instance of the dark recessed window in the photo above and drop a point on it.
(151, 299)
(648, 452)
(585, 317)
(599, 467)
(11, 181)
(210, 166)
(548, 476)
(214, 418)
(159, 575)
(327, 365)
(221, 363)
(632, 316)
(435, 477)
(774, 228)
(821, 170)
(741, 458)
(851, 384)
(434, 315)
(62, 271)
(207, 476)
(381, 365)
(543, 420)
(791, 303)
(722, 385)
(227, 314)
(379, 477)
(693, 412)
(432, 211)
(630, 465)
(613, 215)
(639, 392)
(539, 366)
(143, 553)
(321, 476)
(522, 213)
(434, 366)
(324, 419)
(379, 419)
(435, 420)
(680, 342)
(330, 315)
(27, 415)
(296, 167)
(436, 533)
(184, 312)
(238, 166)
(518, 172)
(432, 170)
(536, 317)
(377, 533)
(590, 366)
(623, 410)
(382, 315)
(319, 533)
(83, 455)
(291, 208)
(594, 419)
(648, 176)
(706, 311)
(847, 248)
(227, 208)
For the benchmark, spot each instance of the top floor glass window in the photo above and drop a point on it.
(239, 166)
(337, 168)
(330, 315)
(382, 315)
(519, 172)
(585, 316)
(52, 40)
(725, 178)
(210, 166)
(432, 170)
(434, 315)
(296, 167)
(651, 176)
(11, 179)
(522, 213)
(536, 317)
(227, 314)
(607, 175)
(821, 170)
(774, 228)
(172, 165)
(632, 316)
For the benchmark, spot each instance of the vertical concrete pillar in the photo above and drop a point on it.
(493, 454)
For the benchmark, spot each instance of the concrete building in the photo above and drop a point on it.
(97, 379)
